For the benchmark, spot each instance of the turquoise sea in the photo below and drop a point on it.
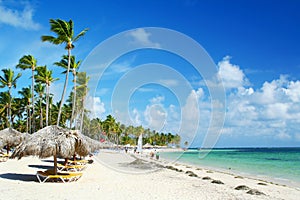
(278, 164)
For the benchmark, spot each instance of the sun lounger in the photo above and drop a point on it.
(70, 168)
(78, 162)
(44, 176)
(4, 157)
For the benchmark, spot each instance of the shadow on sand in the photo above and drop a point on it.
(19, 177)
(41, 166)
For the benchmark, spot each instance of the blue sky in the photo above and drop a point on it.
(254, 46)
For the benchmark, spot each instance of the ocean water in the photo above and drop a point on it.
(279, 164)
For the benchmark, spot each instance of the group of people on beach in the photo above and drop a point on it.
(152, 153)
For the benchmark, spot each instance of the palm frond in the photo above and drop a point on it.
(82, 33)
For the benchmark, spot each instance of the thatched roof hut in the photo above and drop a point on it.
(10, 137)
(53, 141)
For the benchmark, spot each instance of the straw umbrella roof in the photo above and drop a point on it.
(92, 144)
(11, 137)
(50, 141)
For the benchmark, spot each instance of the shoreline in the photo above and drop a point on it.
(249, 174)
(116, 175)
(185, 167)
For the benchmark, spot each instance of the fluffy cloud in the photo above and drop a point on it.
(191, 115)
(142, 37)
(96, 106)
(155, 116)
(22, 19)
(267, 114)
(136, 118)
(292, 91)
(231, 75)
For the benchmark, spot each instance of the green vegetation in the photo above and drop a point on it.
(34, 108)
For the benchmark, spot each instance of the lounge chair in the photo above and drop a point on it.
(70, 168)
(48, 175)
(4, 157)
(78, 162)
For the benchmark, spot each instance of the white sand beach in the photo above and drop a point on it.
(115, 175)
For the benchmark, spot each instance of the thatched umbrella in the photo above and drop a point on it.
(52, 141)
(10, 137)
(93, 144)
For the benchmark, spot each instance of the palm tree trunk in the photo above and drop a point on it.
(47, 103)
(27, 121)
(32, 102)
(82, 116)
(65, 88)
(41, 115)
(9, 108)
(74, 101)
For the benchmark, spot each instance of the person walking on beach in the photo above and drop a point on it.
(151, 154)
(157, 155)
(134, 150)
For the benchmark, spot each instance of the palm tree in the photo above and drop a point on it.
(82, 90)
(45, 76)
(74, 66)
(29, 62)
(109, 126)
(40, 89)
(8, 80)
(64, 34)
(26, 96)
(4, 106)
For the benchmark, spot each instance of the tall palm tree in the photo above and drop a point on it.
(29, 62)
(82, 90)
(9, 80)
(64, 35)
(40, 90)
(74, 66)
(26, 96)
(45, 76)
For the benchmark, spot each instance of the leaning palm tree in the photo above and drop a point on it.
(29, 62)
(74, 66)
(65, 34)
(44, 76)
(9, 80)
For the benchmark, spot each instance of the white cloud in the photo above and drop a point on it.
(270, 112)
(21, 19)
(157, 100)
(277, 111)
(142, 37)
(292, 91)
(96, 106)
(136, 119)
(155, 117)
(231, 75)
(191, 115)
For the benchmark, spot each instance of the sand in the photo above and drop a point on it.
(116, 175)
